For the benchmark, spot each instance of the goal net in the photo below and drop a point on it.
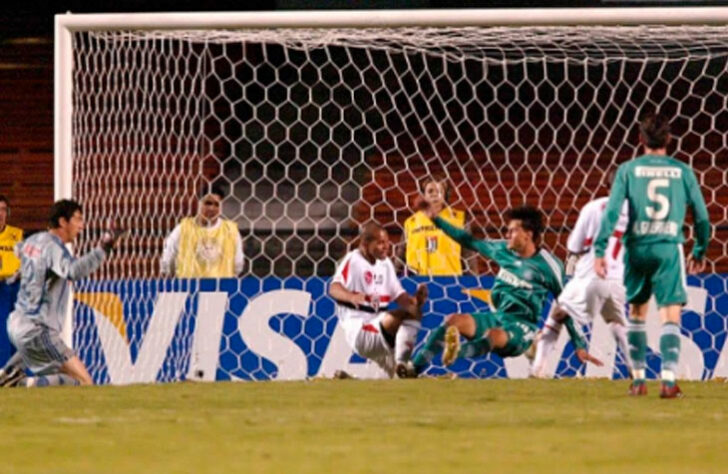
(311, 132)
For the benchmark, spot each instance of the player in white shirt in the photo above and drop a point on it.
(364, 286)
(586, 295)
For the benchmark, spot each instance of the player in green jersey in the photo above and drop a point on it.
(658, 189)
(527, 274)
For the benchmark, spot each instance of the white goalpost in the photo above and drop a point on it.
(315, 122)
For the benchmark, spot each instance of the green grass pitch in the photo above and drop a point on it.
(490, 426)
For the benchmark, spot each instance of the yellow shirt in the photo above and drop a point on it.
(429, 250)
(9, 262)
(207, 253)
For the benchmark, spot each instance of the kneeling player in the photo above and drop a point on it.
(527, 274)
(364, 285)
(35, 325)
(587, 295)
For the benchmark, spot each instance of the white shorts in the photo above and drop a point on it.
(367, 340)
(583, 299)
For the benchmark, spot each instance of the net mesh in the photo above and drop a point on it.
(313, 132)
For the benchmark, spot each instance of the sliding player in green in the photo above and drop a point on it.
(658, 189)
(527, 274)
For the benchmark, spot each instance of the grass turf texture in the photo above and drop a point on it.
(365, 426)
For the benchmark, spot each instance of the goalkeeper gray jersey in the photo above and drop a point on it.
(47, 268)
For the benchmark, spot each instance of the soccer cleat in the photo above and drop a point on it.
(405, 370)
(670, 391)
(342, 375)
(637, 389)
(11, 376)
(452, 345)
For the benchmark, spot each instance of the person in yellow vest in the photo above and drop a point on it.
(9, 271)
(204, 246)
(428, 250)
(9, 237)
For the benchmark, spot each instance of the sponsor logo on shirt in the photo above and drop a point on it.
(507, 277)
(657, 172)
(431, 244)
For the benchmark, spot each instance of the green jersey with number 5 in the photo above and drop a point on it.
(659, 189)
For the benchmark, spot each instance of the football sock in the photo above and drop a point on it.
(549, 336)
(620, 336)
(405, 339)
(475, 348)
(434, 344)
(637, 338)
(670, 350)
(50, 380)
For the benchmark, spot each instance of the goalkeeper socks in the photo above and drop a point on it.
(637, 339)
(405, 339)
(475, 348)
(547, 340)
(433, 346)
(50, 380)
(620, 336)
(670, 350)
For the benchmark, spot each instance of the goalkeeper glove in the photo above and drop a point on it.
(112, 236)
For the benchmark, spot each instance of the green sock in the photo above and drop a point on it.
(637, 340)
(475, 348)
(433, 346)
(670, 350)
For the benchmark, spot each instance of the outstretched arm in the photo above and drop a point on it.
(466, 239)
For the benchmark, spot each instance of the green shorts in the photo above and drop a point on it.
(657, 269)
(520, 331)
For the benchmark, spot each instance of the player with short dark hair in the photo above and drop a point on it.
(34, 327)
(206, 245)
(364, 286)
(527, 275)
(658, 189)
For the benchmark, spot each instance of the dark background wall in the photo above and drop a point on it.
(26, 77)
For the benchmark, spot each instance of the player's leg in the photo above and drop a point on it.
(50, 359)
(466, 324)
(638, 270)
(76, 369)
(13, 371)
(507, 336)
(547, 338)
(614, 315)
(671, 295)
(405, 326)
(578, 301)
(372, 342)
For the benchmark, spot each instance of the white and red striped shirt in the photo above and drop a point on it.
(585, 231)
(378, 282)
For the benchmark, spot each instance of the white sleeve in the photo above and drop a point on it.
(343, 271)
(169, 253)
(580, 238)
(239, 257)
(394, 285)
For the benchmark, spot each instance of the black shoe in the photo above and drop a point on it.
(9, 377)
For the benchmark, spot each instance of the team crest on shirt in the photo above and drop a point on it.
(368, 277)
(432, 244)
